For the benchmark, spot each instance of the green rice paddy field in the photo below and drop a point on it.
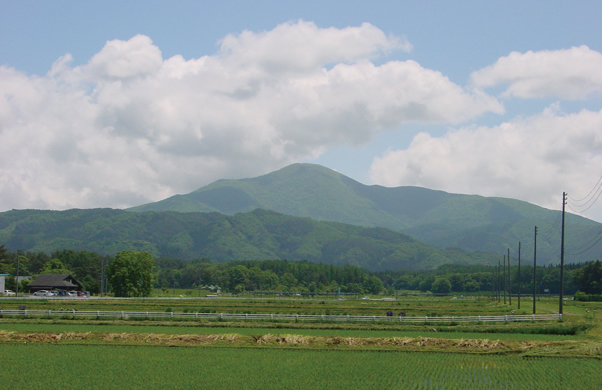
(127, 367)
(101, 354)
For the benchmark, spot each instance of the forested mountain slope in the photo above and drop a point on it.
(470, 222)
(257, 235)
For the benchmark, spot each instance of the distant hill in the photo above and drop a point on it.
(445, 220)
(257, 235)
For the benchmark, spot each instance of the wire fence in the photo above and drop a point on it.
(72, 314)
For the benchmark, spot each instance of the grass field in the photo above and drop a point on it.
(106, 367)
(443, 306)
(210, 354)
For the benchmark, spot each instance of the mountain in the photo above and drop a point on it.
(469, 222)
(256, 235)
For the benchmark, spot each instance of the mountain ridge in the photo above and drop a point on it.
(442, 219)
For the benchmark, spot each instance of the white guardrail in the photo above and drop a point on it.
(270, 317)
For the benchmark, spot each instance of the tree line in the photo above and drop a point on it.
(100, 273)
(481, 278)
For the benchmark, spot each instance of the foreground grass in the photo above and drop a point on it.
(35, 366)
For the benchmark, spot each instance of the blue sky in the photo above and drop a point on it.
(386, 92)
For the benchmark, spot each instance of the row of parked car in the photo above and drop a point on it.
(61, 293)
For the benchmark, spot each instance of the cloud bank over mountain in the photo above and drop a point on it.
(534, 158)
(130, 126)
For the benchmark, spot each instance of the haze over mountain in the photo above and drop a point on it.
(469, 222)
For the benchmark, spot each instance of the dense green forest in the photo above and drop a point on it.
(302, 276)
(256, 235)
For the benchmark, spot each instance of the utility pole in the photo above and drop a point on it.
(518, 281)
(560, 301)
(497, 282)
(17, 280)
(509, 280)
(504, 279)
(103, 279)
(534, 268)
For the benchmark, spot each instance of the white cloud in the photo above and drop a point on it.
(303, 46)
(574, 73)
(533, 159)
(130, 127)
(119, 60)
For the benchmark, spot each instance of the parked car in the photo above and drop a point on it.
(41, 293)
(71, 293)
(8, 293)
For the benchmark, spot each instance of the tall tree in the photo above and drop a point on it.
(55, 266)
(589, 278)
(5, 263)
(131, 273)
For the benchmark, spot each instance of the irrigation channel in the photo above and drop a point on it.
(271, 317)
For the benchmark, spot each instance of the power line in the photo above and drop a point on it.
(553, 228)
(590, 199)
(588, 207)
(598, 236)
(598, 184)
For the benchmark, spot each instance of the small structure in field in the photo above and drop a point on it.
(55, 282)
(3, 281)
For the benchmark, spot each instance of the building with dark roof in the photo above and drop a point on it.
(55, 282)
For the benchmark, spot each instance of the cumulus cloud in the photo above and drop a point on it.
(130, 127)
(573, 73)
(533, 159)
